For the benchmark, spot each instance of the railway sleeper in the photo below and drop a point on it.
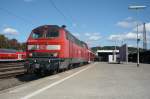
(11, 68)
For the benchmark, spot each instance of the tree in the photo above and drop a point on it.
(6, 43)
(3, 41)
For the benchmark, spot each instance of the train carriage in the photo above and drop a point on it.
(8, 55)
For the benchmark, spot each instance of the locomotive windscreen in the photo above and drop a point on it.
(36, 35)
(46, 31)
(43, 54)
(52, 33)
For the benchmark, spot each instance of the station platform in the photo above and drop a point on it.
(93, 81)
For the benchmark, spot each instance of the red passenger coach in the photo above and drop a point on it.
(7, 55)
(51, 48)
(92, 56)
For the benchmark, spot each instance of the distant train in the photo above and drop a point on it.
(51, 48)
(7, 55)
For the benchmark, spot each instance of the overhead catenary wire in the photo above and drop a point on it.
(17, 16)
(69, 20)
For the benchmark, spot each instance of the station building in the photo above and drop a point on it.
(103, 55)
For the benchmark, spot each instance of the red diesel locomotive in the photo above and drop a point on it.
(52, 48)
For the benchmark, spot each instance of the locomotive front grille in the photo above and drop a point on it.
(43, 54)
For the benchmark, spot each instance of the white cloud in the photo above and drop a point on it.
(88, 37)
(115, 37)
(123, 24)
(148, 39)
(148, 27)
(76, 34)
(127, 23)
(74, 25)
(129, 18)
(10, 31)
(92, 39)
(140, 27)
(131, 36)
(87, 34)
(125, 36)
(93, 36)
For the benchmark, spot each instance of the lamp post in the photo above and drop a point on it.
(137, 7)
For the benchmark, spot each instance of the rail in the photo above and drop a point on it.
(11, 69)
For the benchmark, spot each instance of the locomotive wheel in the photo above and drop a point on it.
(37, 73)
(42, 73)
(30, 70)
(70, 66)
(54, 72)
(67, 68)
(58, 70)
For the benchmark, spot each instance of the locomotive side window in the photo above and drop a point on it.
(72, 38)
(67, 35)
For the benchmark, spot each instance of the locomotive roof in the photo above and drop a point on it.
(46, 27)
(41, 28)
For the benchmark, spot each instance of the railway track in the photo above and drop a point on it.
(11, 69)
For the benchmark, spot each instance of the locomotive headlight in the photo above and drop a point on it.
(55, 54)
(30, 47)
(53, 47)
(35, 60)
(33, 47)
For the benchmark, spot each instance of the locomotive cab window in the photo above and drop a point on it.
(37, 35)
(52, 33)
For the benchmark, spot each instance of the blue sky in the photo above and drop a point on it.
(97, 22)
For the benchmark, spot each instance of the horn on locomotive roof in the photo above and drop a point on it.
(63, 26)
